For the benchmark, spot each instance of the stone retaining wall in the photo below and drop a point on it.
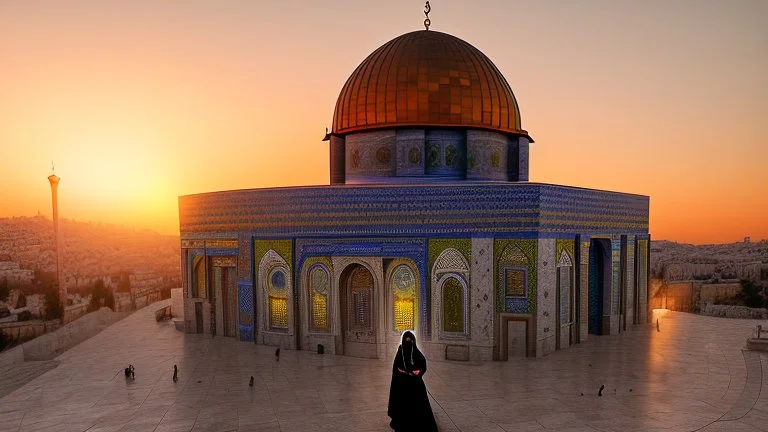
(50, 345)
(727, 311)
(27, 329)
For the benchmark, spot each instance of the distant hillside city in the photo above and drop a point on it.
(725, 280)
(113, 259)
(745, 260)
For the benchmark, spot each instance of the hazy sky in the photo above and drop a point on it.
(141, 101)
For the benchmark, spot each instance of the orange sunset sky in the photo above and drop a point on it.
(138, 102)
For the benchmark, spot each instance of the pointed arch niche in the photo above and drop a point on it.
(276, 294)
(403, 301)
(450, 296)
(565, 300)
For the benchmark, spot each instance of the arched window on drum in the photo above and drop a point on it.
(403, 283)
(319, 286)
(278, 299)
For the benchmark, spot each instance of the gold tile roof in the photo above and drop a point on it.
(426, 79)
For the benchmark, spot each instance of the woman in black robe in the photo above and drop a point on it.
(408, 402)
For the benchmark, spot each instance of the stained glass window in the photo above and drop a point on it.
(319, 314)
(278, 279)
(278, 312)
(278, 302)
(433, 154)
(453, 305)
(451, 156)
(403, 286)
(318, 288)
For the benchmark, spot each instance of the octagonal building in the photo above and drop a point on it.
(430, 224)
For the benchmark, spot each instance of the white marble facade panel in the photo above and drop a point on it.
(546, 293)
(190, 315)
(482, 292)
(565, 291)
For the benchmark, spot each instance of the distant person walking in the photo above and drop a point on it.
(409, 406)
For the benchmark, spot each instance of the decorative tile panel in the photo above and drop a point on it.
(192, 244)
(245, 294)
(510, 253)
(221, 244)
(219, 261)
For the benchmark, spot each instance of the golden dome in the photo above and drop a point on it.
(427, 79)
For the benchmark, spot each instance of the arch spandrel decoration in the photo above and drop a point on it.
(277, 298)
(450, 282)
(451, 260)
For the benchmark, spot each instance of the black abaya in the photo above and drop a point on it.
(409, 405)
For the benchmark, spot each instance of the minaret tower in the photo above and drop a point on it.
(54, 179)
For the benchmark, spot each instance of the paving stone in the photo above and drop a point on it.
(691, 375)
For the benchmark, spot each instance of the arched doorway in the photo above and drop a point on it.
(357, 303)
(599, 285)
(224, 290)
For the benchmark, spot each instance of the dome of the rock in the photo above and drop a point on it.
(427, 79)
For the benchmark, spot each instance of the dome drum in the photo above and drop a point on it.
(429, 156)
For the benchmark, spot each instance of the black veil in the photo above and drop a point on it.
(409, 405)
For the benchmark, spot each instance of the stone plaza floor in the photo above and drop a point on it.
(692, 375)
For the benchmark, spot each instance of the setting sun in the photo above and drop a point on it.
(139, 103)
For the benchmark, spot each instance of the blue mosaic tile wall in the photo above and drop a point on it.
(245, 294)
(400, 210)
